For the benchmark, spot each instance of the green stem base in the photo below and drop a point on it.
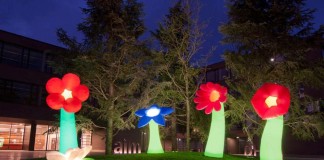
(155, 145)
(216, 137)
(68, 135)
(271, 140)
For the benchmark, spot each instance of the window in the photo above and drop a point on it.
(85, 138)
(11, 136)
(18, 92)
(12, 55)
(48, 68)
(35, 60)
(47, 138)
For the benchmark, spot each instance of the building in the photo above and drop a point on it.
(26, 122)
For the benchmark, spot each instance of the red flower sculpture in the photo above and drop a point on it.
(271, 100)
(209, 97)
(66, 93)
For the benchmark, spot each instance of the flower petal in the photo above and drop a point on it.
(201, 106)
(166, 110)
(209, 109)
(159, 120)
(54, 85)
(143, 121)
(81, 92)
(201, 93)
(71, 81)
(141, 112)
(201, 100)
(55, 101)
(217, 106)
(72, 105)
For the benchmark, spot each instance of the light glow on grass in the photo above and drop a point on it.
(271, 139)
(154, 141)
(215, 142)
(68, 135)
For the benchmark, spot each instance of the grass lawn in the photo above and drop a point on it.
(166, 156)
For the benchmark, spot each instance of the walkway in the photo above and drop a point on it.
(22, 155)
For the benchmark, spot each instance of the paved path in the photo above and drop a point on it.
(21, 155)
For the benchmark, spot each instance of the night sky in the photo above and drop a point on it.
(39, 19)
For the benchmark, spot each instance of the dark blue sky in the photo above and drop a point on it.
(39, 19)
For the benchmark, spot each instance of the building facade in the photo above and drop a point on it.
(26, 122)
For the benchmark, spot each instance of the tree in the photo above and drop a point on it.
(271, 41)
(110, 61)
(179, 37)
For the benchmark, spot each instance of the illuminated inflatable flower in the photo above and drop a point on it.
(210, 96)
(271, 102)
(66, 93)
(156, 114)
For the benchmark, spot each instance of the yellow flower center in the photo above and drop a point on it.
(67, 94)
(271, 101)
(214, 96)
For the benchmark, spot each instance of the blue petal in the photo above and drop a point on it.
(159, 120)
(154, 105)
(140, 112)
(143, 121)
(166, 110)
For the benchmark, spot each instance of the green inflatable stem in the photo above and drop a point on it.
(216, 137)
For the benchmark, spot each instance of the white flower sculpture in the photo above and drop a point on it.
(70, 154)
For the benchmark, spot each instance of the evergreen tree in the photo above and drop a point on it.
(271, 42)
(110, 60)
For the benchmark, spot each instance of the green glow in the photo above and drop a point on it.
(215, 142)
(68, 135)
(271, 140)
(154, 141)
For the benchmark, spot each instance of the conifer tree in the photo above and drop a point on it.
(110, 61)
(272, 41)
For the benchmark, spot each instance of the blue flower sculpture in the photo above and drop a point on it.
(155, 113)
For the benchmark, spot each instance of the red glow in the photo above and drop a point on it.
(209, 97)
(55, 87)
(271, 100)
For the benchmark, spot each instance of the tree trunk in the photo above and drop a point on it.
(174, 132)
(186, 78)
(188, 125)
(109, 131)
(109, 137)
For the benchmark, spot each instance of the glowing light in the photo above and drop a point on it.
(216, 136)
(155, 145)
(67, 94)
(152, 112)
(272, 59)
(156, 114)
(68, 134)
(211, 97)
(271, 140)
(71, 154)
(214, 96)
(271, 101)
